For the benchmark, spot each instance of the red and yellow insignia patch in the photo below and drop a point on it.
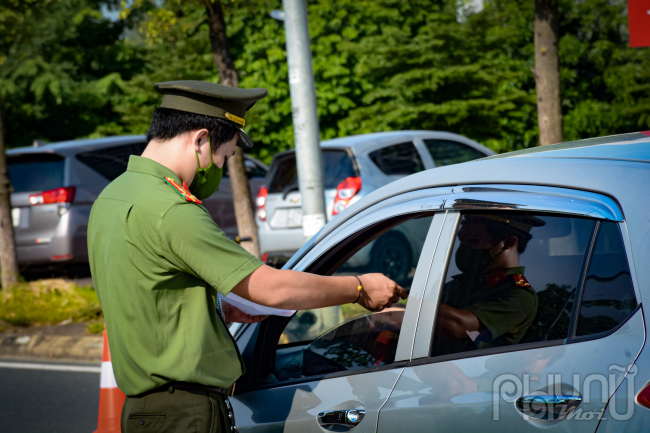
(181, 191)
(520, 281)
(496, 278)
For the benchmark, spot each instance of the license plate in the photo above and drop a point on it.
(294, 217)
(15, 216)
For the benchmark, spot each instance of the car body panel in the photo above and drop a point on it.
(478, 393)
(294, 408)
(623, 413)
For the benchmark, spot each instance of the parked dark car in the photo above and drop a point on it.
(55, 186)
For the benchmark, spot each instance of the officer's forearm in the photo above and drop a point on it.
(456, 322)
(294, 290)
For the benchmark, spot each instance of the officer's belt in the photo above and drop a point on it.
(185, 386)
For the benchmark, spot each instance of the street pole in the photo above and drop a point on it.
(305, 117)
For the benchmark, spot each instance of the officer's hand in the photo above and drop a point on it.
(234, 314)
(379, 292)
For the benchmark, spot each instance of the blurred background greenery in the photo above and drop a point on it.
(72, 69)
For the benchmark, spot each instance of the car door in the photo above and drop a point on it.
(558, 372)
(333, 368)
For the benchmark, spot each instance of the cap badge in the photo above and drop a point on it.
(238, 120)
(181, 191)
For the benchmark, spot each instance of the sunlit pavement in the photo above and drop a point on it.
(52, 397)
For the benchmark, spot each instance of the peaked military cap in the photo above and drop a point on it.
(521, 222)
(211, 99)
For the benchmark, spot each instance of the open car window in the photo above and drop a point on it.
(349, 337)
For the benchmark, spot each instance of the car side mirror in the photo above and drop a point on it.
(307, 318)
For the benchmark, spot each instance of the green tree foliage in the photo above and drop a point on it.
(60, 63)
(379, 65)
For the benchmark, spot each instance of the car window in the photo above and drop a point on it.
(608, 297)
(349, 337)
(511, 280)
(398, 159)
(111, 162)
(35, 171)
(337, 166)
(447, 152)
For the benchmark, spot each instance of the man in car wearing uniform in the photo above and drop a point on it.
(490, 303)
(158, 261)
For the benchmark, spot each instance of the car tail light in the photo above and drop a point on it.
(260, 202)
(643, 397)
(58, 195)
(344, 193)
(62, 257)
(265, 257)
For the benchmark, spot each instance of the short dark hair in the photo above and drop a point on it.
(167, 124)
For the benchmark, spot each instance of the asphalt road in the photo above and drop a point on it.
(34, 398)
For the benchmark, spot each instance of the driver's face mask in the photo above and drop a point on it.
(471, 261)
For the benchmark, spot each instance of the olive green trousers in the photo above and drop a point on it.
(187, 411)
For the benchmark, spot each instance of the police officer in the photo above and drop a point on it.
(158, 261)
(490, 303)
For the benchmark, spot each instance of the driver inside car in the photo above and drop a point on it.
(490, 303)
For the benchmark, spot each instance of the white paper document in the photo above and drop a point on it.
(253, 309)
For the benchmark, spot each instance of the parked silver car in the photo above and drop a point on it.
(570, 356)
(55, 186)
(353, 167)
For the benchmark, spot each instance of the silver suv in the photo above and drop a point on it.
(56, 185)
(354, 167)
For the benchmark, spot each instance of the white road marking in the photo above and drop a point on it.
(50, 367)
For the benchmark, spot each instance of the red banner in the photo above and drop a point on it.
(638, 15)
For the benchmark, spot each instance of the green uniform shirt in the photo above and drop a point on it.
(502, 301)
(157, 262)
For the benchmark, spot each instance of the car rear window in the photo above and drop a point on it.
(111, 162)
(398, 159)
(35, 172)
(446, 152)
(338, 166)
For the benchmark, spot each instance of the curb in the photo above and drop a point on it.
(38, 346)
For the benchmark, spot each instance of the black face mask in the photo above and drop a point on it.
(471, 261)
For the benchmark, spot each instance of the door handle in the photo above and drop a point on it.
(350, 418)
(552, 407)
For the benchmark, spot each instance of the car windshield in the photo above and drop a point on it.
(338, 166)
(35, 172)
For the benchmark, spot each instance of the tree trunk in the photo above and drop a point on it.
(547, 72)
(244, 212)
(8, 262)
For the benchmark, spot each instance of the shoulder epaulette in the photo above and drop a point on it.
(181, 191)
(521, 281)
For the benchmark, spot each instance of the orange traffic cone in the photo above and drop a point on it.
(111, 398)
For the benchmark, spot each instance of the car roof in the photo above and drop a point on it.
(73, 147)
(363, 142)
(634, 146)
